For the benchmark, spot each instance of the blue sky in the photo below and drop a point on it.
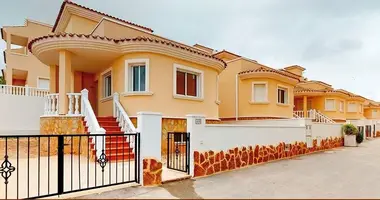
(338, 41)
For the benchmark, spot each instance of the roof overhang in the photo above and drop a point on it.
(268, 75)
(89, 50)
(69, 8)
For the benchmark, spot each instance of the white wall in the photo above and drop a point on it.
(218, 137)
(326, 130)
(272, 122)
(20, 114)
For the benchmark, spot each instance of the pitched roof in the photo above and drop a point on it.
(270, 70)
(225, 51)
(139, 38)
(95, 11)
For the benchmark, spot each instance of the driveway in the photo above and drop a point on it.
(340, 173)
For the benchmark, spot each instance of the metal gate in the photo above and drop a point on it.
(178, 151)
(46, 165)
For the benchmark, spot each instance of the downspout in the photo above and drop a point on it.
(236, 98)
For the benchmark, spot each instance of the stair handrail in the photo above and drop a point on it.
(121, 116)
(92, 122)
(320, 117)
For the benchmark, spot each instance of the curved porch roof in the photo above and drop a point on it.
(92, 51)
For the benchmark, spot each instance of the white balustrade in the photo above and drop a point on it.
(122, 117)
(23, 91)
(51, 105)
(92, 122)
(313, 114)
(73, 103)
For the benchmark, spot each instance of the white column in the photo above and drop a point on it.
(70, 104)
(27, 90)
(84, 95)
(149, 126)
(76, 112)
(195, 125)
(115, 99)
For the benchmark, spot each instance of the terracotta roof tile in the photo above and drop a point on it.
(139, 38)
(90, 9)
(265, 69)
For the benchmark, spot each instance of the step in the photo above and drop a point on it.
(113, 145)
(116, 139)
(108, 123)
(106, 119)
(111, 128)
(119, 157)
(126, 150)
(115, 132)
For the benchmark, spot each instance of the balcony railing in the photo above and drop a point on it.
(314, 115)
(23, 91)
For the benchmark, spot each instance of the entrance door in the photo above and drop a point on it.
(92, 87)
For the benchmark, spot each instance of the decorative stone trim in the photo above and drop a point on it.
(61, 125)
(377, 134)
(152, 172)
(208, 163)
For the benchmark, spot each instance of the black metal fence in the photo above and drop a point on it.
(178, 151)
(46, 165)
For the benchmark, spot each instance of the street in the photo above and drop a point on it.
(338, 173)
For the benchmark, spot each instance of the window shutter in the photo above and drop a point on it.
(191, 84)
(329, 104)
(180, 83)
(259, 93)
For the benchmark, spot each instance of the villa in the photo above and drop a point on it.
(101, 83)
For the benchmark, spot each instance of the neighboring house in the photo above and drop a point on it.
(338, 105)
(372, 110)
(249, 90)
(22, 67)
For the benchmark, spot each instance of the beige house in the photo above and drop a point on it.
(23, 68)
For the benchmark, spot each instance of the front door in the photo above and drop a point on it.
(92, 87)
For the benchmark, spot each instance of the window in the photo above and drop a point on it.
(341, 106)
(374, 113)
(329, 104)
(43, 83)
(259, 92)
(351, 107)
(282, 95)
(137, 76)
(187, 82)
(107, 84)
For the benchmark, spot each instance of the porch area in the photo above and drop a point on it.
(308, 108)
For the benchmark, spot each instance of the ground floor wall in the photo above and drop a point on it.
(20, 114)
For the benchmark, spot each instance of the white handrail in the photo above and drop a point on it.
(124, 121)
(73, 103)
(121, 116)
(92, 122)
(23, 90)
(321, 118)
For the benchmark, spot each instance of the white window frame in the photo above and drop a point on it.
(334, 106)
(348, 107)
(38, 82)
(128, 84)
(341, 106)
(288, 94)
(253, 93)
(109, 70)
(200, 82)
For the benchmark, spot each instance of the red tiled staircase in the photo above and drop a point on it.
(116, 148)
